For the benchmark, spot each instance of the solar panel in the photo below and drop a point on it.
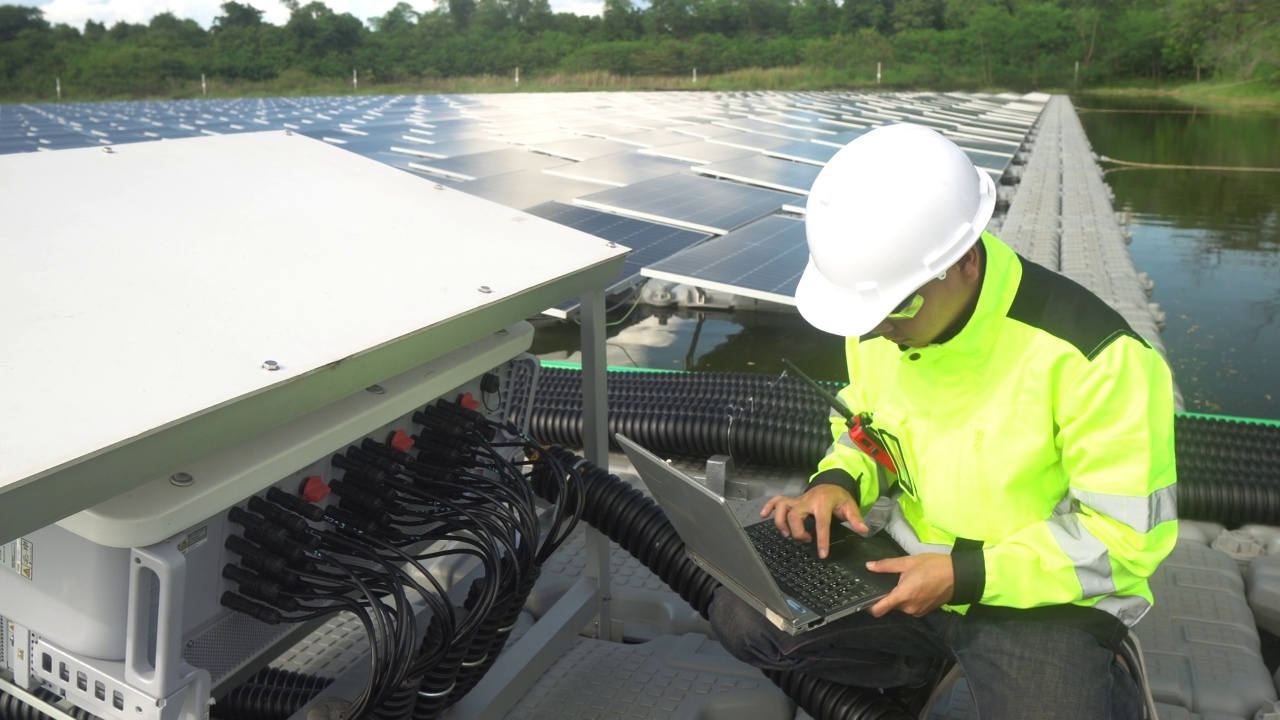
(991, 162)
(582, 148)
(526, 188)
(619, 170)
(450, 148)
(690, 201)
(699, 152)
(649, 241)
(485, 164)
(761, 127)
(761, 260)
(805, 152)
(766, 172)
(843, 138)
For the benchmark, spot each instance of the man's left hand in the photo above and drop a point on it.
(925, 583)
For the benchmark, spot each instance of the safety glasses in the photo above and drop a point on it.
(910, 307)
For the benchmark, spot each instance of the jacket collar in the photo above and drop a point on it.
(1001, 277)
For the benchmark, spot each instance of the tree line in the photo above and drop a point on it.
(961, 44)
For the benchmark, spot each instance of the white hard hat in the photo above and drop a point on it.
(892, 209)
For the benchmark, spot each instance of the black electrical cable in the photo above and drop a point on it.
(630, 522)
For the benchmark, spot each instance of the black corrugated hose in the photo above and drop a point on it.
(639, 526)
(270, 694)
(11, 708)
(765, 419)
(1228, 468)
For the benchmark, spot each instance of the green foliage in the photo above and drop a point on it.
(938, 44)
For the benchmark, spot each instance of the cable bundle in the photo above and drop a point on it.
(460, 483)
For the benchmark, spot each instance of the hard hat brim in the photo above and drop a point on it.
(844, 311)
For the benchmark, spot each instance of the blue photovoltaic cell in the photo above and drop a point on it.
(582, 148)
(526, 188)
(691, 201)
(619, 170)
(751, 125)
(991, 146)
(699, 152)
(486, 164)
(762, 260)
(649, 241)
(767, 172)
(806, 152)
(992, 163)
(449, 148)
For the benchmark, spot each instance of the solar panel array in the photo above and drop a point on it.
(706, 188)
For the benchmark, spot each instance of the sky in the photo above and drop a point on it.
(76, 12)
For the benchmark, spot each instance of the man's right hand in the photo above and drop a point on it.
(822, 502)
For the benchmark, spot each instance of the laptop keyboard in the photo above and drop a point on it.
(821, 586)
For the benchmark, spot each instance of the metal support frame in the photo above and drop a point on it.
(595, 442)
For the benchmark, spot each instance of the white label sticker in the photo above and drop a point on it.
(17, 556)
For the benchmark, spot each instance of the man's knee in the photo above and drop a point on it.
(741, 630)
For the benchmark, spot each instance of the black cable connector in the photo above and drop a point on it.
(314, 513)
(257, 611)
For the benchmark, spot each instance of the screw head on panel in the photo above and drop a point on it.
(270, 365)
(181, 479)
(485, 289)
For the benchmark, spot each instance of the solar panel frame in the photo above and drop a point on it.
(690, 201)
(762, 260)
(766, 172)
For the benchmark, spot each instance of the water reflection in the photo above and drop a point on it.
(675, 339)
(1209, 238)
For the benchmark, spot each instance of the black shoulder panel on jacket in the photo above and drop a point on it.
(1063, 308)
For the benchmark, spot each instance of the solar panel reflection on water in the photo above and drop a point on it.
(762, 260)
(690, 201)
(766, 172)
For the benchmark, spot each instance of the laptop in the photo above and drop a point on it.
(784, 579)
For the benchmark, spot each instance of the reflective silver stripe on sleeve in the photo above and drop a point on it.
(900, 530)
(1139, 513)
(1086, 552)
(1128, 608)
(846, 441)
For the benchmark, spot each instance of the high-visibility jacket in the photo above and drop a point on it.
(1035, 445)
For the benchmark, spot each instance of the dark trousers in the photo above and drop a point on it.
(1016, 670)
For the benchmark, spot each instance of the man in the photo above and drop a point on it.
(1031, 431)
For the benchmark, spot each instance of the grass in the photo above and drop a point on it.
(1225, 95)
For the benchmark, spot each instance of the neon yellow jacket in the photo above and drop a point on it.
(1037, 443)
